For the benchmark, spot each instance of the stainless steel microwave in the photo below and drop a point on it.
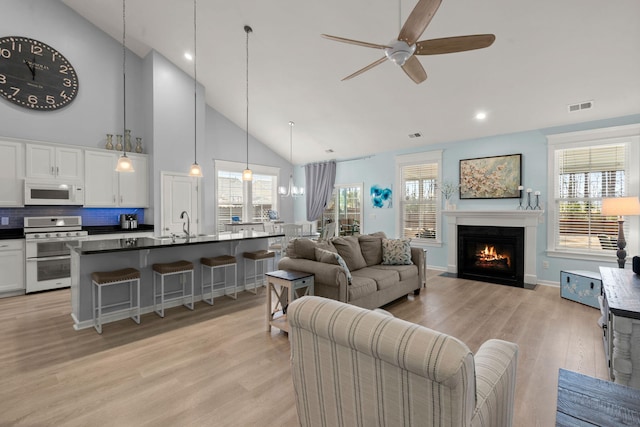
(53, 193)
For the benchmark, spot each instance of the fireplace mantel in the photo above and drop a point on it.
(529, 219)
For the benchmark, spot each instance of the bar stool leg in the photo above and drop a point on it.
(137, 316)
(235, 281)
(191, 305)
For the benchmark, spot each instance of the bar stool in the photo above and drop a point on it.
(169, 269)
(223, 262)
(102, 279)
(257, 257)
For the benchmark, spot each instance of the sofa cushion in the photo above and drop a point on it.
(371, 247)
(406, 272)
(328, 257)
(305, 248)
(396, 252)
(383, 278)
(361, 286)
(349, 249)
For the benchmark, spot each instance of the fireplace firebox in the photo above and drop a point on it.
(491, 254)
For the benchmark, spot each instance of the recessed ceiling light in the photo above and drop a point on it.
(481, 115)
(188, 56)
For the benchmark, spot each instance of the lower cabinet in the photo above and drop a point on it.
(12, 266)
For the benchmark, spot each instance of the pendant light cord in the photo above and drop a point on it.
(195, 87)
(247, 30)
(124, 74)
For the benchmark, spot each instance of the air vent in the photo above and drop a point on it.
(586, 105)
(415, 135)
(329, 151)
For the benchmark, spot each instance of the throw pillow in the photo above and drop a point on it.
(396, 252)
(305, 248)
(329, 257)
(349, 249)
(371, 247)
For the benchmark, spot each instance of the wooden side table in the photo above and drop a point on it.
(286, 286)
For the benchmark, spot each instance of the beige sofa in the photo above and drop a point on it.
(356, 367)
(371, 284)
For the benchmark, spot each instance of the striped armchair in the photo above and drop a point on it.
(352, 366)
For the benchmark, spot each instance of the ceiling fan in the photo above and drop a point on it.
(403, 50)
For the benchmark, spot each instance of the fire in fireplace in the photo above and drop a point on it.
(491, 254)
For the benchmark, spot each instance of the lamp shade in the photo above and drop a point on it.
(621, 206)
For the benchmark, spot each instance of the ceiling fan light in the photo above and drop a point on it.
(399, 52)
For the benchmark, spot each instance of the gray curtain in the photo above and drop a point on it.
(319, 180)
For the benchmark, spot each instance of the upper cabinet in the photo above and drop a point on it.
(11, 173)
(104, 187)
(53, 162)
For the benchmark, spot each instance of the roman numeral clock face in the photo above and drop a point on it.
(34, 75)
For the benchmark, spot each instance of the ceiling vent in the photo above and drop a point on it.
(329, 151)
(415, 135)
(586, 105)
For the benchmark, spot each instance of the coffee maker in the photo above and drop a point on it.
(128, 221)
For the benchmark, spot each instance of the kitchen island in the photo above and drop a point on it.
(140, 253)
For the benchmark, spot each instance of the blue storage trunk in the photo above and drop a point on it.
(581, 286)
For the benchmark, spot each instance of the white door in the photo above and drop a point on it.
(179, 193)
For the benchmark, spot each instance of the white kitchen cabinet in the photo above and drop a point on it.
(104, 187)
(11, 173)
(54, 162)
(12, 266)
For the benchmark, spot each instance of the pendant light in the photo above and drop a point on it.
(293, 190)
(195, 169)
(124, 163)
(247, 175)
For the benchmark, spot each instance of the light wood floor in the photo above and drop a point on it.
(218, 366)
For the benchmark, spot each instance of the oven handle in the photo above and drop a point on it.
(51, 258)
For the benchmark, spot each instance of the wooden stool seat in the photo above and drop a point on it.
(173, 267)
(212, 263)
(256, 257)
(181, 267)
(102, 279)
(122, 275)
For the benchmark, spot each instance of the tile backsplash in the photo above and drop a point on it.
(90, 216)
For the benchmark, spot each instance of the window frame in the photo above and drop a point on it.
(401, 161)
(629, 136)
(247, 187)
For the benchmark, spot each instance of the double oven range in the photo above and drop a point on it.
(48, 258)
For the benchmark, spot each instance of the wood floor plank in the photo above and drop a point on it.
(217, 366)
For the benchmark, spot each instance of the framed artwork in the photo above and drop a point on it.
(495, 177)
(381, 196)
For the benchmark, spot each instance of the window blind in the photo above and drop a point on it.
(263, 196)
(419, 200)
(230, 197)
(584, 177)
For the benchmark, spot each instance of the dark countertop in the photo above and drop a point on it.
(113, 229)
(11, 233)
(88, 247)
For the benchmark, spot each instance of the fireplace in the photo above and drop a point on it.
(491, 254)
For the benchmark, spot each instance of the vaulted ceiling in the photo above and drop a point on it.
(547, 54)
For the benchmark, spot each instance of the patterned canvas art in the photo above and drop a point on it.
(490, 177)
(381, 197)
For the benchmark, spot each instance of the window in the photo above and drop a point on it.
(250, 202)
(418, 200)
(588, 167)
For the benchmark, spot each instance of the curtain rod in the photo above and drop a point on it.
(341, 161)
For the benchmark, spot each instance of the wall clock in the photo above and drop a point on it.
(34, 75)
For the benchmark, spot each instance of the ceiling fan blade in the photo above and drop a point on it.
(454, 44)
(368, 67)
(418, 20)
(356, 42)
(415, 70)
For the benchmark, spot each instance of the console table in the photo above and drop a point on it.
(588, 401)
(621, 315)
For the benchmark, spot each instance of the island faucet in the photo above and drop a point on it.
(188, 230)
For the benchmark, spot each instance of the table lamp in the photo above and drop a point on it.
(621, 206)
